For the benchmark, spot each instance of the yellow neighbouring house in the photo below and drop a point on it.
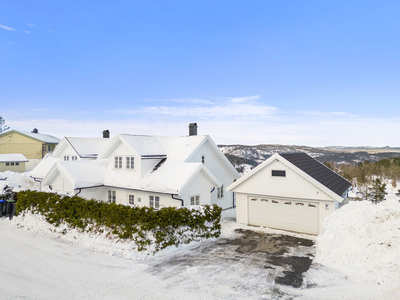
(33, 145)
(13, 162)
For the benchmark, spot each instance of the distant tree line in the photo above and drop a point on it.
(369, 177)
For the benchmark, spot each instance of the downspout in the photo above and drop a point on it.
(80, 190)
(172, 195)
(40, 186)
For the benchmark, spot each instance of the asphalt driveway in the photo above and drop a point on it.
(265, 261)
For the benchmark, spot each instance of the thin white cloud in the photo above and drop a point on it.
(26, 31)
(11, 43)
(214, 111)
(244, 99)
(328, 114)
(30, 25)
(7, 28)
(192, 101)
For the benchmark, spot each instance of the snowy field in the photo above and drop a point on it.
(357, 257)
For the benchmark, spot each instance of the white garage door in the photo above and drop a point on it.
(299, 216)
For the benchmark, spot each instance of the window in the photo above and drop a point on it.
(203, 159)
(74, 158)
(66, 158)
(279, 173)
(311, 205)
(118, 162)
(154, 201)
(139, 199)
(130, 162)
(220, 192)
(7, 163)
(17, 163)
(300, 203)
(131, 199)
(288, 203)
(12, 163)
(264, 200)
(112, 196)
(48, 147)
(276, 202)
(195, 200)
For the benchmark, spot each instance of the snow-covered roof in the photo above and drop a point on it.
(88, 147)
(171, 176)
(43, 168)
(16, 157)
(48, 139)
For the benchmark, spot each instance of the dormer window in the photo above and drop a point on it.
(66, 158)
(130, 162)
(118, 162)
(203, 159)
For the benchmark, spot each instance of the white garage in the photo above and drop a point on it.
(292, 192)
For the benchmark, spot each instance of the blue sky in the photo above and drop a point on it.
(312, 73)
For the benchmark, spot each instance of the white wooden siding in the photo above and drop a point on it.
(292, 186)
(241, 209)
(219, 170)
(200, 185)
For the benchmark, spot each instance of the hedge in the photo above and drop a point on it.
(146, 226)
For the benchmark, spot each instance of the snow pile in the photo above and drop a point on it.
(362, 241)
(18, 181)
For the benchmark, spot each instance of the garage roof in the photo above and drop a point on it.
(319, 172)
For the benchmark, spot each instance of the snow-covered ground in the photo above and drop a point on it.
(358, 257)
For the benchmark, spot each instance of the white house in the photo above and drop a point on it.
(142, 170)
(292, 192)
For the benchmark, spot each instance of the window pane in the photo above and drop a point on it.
(116, 163)
(197, 200)
(191, 200)
(152, 201)
(157, 204)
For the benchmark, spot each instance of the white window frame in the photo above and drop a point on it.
(220, 192)
(154, 201)
(66, 157)
(130, 162)
(117, 162)
(195, 200)
(112, 196)
(131, 199)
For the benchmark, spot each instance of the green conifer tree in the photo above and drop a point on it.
(377, 192)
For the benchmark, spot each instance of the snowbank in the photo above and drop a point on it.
(362, 241)
(18, 181)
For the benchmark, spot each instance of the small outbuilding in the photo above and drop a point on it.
(13, 162)
(293, 192)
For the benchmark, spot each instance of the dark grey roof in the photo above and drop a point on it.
(319, 172)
